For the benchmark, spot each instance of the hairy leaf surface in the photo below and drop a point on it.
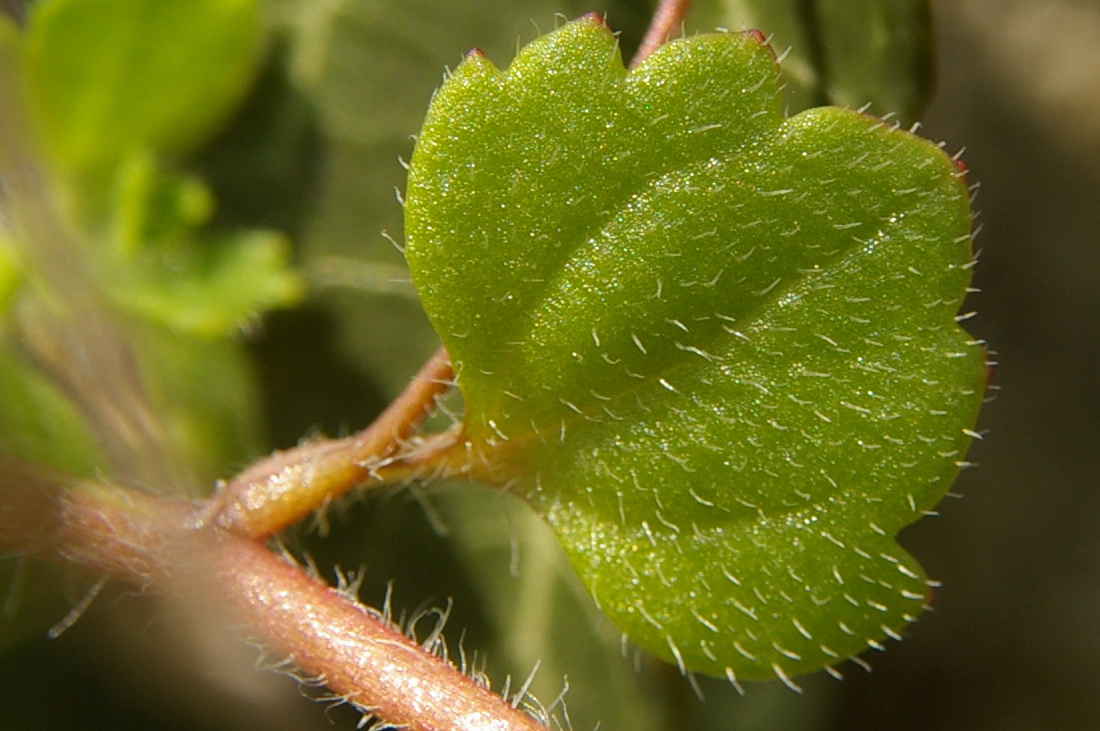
(714, 347)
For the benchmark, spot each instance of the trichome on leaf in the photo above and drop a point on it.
(714, 347)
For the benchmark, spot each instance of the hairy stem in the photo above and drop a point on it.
(162, 544)
(357, 654)
(665, 24)
(282, 489)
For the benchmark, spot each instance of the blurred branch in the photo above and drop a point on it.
(16, 9)
(64, 324)
(162, 544)
(666, 22)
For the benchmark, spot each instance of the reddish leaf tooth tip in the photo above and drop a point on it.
(962, 168)
(475, 53)
(595, 18)
(758, 36)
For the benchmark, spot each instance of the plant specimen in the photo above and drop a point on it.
(715, 347)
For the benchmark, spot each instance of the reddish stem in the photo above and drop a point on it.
(666, 22)
(282, 489)
(359, 657)
(161, 544)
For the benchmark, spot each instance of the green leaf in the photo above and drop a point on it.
(10, 275)
(845, 52)
(39, 424)
(206, 399)
(167, 269)
(541, 617)
(788, 30)
(109, 76)
(154, 206)
(364, 70)
(210, 288)
(714, 347)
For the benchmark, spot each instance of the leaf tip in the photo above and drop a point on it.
(961, 168)
(756, 35)
(595, 18)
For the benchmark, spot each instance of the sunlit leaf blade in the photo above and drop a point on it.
(714, 347)
(786, 26)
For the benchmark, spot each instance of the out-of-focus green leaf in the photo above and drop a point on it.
(845, 52)
(111, 86)
(714, 347)
(163, 266)
(210, 288)
(152, 205)
(39, 424)
(206, 397)
(109, 76)
(9, 276)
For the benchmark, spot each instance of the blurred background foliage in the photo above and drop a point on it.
(309, 158)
